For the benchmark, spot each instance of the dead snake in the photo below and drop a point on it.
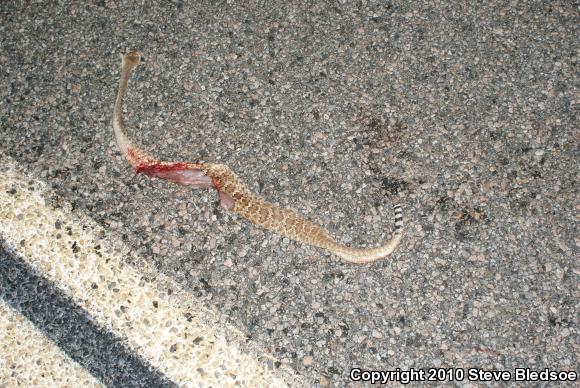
(233, 192)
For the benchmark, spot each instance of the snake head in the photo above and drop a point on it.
(132, 58)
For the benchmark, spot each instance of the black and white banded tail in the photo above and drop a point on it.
(398, 219)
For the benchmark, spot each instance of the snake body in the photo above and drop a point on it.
(233, 193)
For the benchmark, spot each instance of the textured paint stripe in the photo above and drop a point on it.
(29, 359)
(181, 338)
(102, 353)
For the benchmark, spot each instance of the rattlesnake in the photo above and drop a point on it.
(233, 192)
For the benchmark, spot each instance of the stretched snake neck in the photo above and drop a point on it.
(234, 194)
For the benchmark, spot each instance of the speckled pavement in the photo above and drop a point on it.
(29, 359)
(465, 113)
(84, 273)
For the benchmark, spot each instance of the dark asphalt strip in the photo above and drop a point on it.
(69, 326)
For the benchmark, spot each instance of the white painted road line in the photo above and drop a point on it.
(180, 338)
(29, 359)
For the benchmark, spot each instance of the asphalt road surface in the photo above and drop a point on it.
(465, 113)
